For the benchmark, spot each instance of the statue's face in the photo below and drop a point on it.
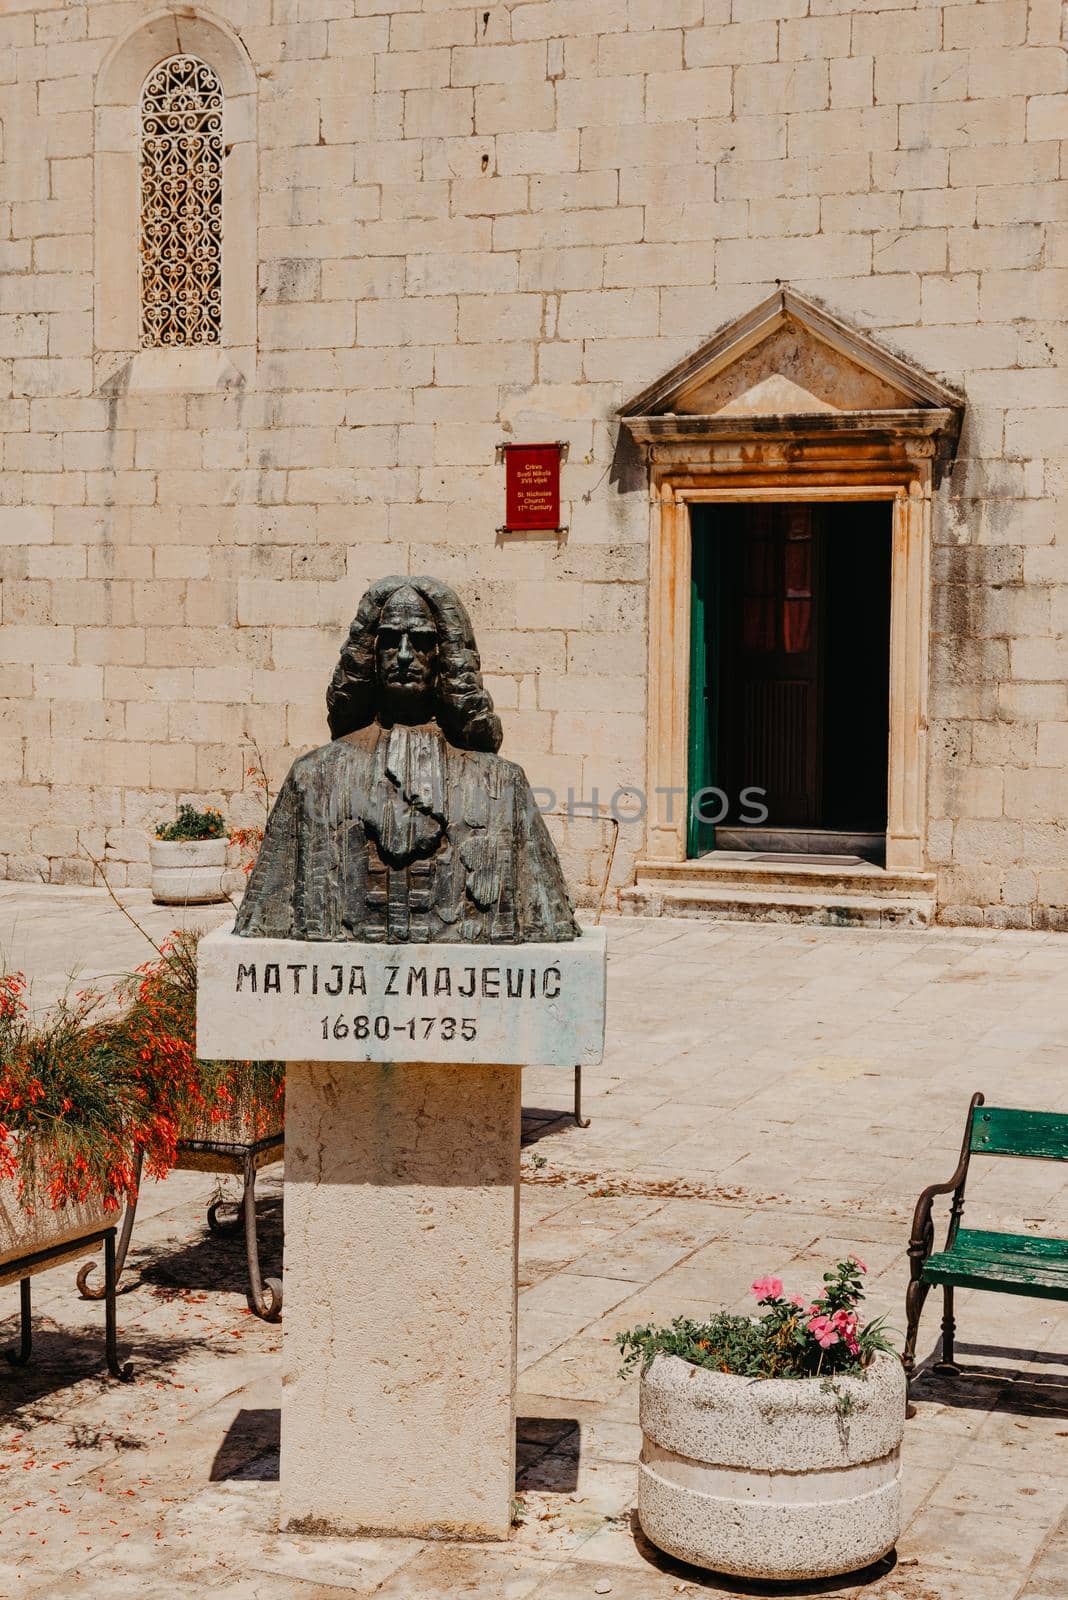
(407, 646)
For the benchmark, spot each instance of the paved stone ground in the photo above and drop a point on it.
(772, 1097)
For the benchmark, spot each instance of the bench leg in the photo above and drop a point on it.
(228, 1224)
(111, 1345)
(580, 1120)
(264, 1295)
(19, 1357)
(85, 1288)
(914, 1303)
(946, 1362)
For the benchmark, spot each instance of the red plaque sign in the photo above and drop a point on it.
(532, 497)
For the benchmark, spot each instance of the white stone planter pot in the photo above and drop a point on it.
(189, 872)
(23, 1232)
(766, 1478)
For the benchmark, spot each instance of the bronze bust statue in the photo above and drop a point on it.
(408, 827)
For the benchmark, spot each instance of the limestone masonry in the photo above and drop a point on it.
(442, 227)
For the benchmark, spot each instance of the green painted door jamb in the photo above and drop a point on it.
(704, 643)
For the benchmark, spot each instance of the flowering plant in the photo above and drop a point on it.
(248, 840)
(155, 1041)
(87, 1085)
(191, 825)
(69, 1122)
(794, 1338)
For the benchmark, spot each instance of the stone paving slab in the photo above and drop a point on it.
(771, 1098)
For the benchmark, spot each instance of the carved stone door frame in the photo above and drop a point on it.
(790, 402)
(908, 487)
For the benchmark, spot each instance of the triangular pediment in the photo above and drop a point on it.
(789, 357)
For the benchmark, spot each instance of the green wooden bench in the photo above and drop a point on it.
(1004, 1263)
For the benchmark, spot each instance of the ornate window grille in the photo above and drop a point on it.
(181, 204)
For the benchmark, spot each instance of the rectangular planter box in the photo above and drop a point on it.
(235, 1129)
(24, 1233)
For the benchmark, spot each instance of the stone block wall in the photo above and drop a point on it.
(475, 223)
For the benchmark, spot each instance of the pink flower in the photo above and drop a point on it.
(821, 1330)
(845, 1323)
(798, 1300)
(767, 1289)
(858, 1263)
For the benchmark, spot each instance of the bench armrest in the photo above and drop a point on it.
(921, 1242)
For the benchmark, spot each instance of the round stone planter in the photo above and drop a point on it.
(767, 1478)
(189, 872)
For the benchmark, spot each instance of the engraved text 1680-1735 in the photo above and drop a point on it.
(283, 999)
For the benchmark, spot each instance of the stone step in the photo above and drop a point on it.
(730, 904)
(731, 872)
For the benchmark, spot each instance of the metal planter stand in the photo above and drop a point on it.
(580, 1120)
(236, 1159)
(128, 1215)
(598, 814)
(22, 1268)
(243, 1161)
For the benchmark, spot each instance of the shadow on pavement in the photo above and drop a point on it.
(547, 1453)
(540, 1120)
(62, 1357)
(996, 1385)
(212, 1261)
(250, 1448)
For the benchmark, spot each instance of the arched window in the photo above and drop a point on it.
(175, 156)
(181, 204)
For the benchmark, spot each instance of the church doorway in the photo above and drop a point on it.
(790, 678)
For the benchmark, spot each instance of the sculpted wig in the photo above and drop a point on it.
(463, 705)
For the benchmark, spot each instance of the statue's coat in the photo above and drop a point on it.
(396, 835)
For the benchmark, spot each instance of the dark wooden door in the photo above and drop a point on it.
(773, 662)
(706, 601)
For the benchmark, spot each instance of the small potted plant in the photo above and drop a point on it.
(771, 1444)
(189, 858)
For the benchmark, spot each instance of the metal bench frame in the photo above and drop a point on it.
(264, 1295)
(921, 1244)
(20, 1270)
(600, 814)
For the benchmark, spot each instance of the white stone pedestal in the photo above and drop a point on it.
(401, 1197)
(401, 1207)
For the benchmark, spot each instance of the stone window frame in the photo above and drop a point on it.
(121, 362)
